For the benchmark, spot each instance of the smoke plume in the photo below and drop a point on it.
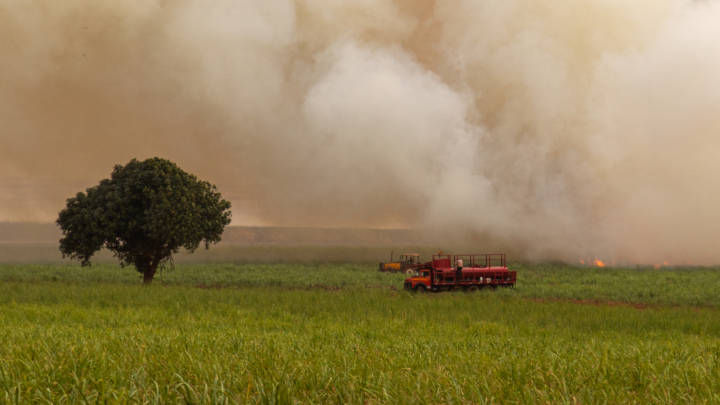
(572, 128)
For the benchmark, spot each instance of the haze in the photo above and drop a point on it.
(572, 128)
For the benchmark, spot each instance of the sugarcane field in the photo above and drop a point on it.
(360, 202)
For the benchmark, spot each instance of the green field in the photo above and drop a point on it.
(335, 333)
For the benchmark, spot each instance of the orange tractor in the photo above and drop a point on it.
(467, 272)
(408, 263)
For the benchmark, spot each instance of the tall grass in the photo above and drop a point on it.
(97, 335)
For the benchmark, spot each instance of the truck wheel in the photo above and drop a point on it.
(472, 288)
(420, 288)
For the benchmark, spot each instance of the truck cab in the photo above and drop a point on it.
(420, 281)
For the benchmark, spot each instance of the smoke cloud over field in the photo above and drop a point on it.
(570, 128)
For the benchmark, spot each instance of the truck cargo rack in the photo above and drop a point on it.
(486, 260)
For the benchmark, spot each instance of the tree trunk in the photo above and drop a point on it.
(148, 267)
(149, 273)
(148, 276)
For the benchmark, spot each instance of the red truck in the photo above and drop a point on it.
(468, 272)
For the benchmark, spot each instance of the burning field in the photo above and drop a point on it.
(579, 133)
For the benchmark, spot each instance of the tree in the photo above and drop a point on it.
(144, 213)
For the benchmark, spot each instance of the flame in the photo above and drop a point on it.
(591, 262)
(602, 263)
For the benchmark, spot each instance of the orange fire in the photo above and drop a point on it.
(599, 263)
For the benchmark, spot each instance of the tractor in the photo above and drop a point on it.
(408, 263)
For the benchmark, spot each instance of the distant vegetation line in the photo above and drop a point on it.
(36, 243)
(48, 253)
(696, 287)
(11, 232)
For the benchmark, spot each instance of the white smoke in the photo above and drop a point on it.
(573, 129)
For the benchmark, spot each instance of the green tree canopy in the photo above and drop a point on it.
(144, 213)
